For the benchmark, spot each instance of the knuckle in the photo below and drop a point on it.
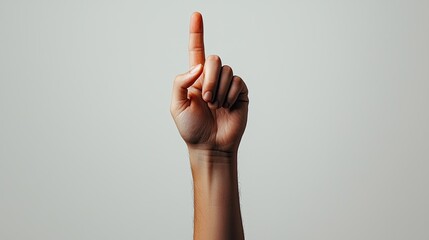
(246, 90)
(214, 58)
(177, 79)
(237, 80)
(227, 69)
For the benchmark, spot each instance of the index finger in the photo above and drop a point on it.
(196, 40)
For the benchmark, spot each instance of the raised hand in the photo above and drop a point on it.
(209, 104)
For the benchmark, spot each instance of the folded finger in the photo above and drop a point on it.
(237, 92)
(224, 84)
(212, 69)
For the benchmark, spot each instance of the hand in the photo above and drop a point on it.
(209, 104)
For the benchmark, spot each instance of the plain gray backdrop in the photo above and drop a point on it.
(337, 143)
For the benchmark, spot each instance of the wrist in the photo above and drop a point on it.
(212, 163)
(203, 156)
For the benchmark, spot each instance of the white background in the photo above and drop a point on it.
(337, 143)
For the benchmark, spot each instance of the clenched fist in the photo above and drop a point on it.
(209, 103)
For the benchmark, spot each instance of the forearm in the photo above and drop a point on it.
(216, 199)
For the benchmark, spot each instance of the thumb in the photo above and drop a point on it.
(184, 81)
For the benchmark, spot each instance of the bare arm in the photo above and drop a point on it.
(209, 106)
(216, 203)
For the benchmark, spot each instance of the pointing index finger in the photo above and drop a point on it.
(196, 40)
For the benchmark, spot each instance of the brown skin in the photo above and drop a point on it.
(209, 106)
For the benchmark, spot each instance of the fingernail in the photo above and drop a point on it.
(194, 69)
(208, 96)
